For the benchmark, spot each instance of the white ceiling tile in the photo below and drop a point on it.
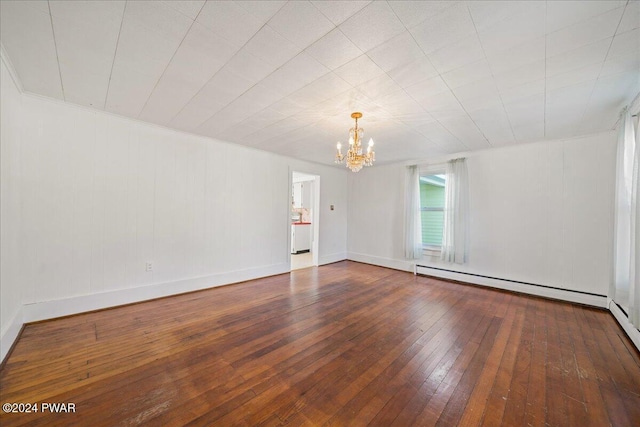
(230, 20)
(578, 75)
(597, 119)
(456, 55)
(371, 26)
(414, 72)
(379, 86)
(526, 111)
(399, 104)
(492, 100)
(223, 88)
(568, 100)
(584, 33)
(424, 90)
(466, 74)
(467, 132)
(86, 37)
(334, 50)
(302, 69)
(88, 13)
(189, 8)
(285, 106)
(515, 31)
(265, 118)
(248, 66)
(615, 90)
(594, 53)
(158, 18)
(129, 89)
(529, 132)
(494, 125)
(625, 44)
(485, 89)
(630, 18)
(271, 47)
(263, 10)
(440, 136)
(443, 103)
(529, 73)
(300, 23)
(200, 56)
(33, 52)
(517, 56)
(453, 25)
(526, 90)
(323, 88)
(254, 100)
(400, 50)
(359, 70)
(41, 5)
(339, 11)
(486, 14)
(412, 13)
(621, 64)
(561, 14)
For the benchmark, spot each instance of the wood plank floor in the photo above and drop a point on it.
(344, 344)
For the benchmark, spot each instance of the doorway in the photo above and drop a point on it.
(304, 213)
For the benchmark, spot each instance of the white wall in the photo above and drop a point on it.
(91, 197)
(540, 213)
(10, 209)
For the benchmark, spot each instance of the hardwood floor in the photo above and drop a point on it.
(344, 344)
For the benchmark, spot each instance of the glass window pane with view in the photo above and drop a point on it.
(432, 193)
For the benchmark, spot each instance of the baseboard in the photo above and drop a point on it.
(531, 289)
(10, 334)
(381, 261)
(65, 307)
(331, 258)
(623, 320)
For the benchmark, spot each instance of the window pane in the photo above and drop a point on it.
(432, 193)
(432, 223)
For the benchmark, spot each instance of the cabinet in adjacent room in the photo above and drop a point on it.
(300, 237)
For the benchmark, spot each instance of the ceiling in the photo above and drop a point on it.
(430, 77)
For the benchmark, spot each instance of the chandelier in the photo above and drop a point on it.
(355, 159)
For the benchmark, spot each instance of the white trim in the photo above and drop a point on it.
(331, 258)
(560, 294)
(382, 262)
(623, 320)
(12, 71)
(10, 333)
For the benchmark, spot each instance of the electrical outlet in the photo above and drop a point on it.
(149, 266)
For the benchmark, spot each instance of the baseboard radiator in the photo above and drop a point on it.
(571, 295)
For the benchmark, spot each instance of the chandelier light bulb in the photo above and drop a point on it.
(350, 140)
(370, 142)
(338, 145)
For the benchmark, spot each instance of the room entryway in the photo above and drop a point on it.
(305, 190)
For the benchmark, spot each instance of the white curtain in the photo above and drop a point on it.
(625, 288)
(634, 267)
(413, 224)
(456, 206)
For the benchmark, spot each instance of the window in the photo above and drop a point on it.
(432, 202)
